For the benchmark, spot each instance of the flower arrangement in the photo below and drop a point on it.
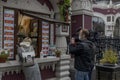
(109, 56)
(57, 53)
(4, 54)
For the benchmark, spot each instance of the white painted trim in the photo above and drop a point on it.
(17, 63)
(83, 21)
(102, 16)
(105, 6)
(82, 11)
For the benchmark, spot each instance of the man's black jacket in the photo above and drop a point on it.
(83, 54)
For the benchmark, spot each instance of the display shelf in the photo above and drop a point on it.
(9, 16)
(1, 19)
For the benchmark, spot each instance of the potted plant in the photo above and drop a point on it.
(110, 57)
(4, 55)
(57, 53)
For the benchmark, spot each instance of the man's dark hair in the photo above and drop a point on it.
(78, 30)
(85, 32)
(76, 34)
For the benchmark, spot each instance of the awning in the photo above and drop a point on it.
(44, 18)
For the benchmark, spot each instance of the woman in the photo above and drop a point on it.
(31, 72)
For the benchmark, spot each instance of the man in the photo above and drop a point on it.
(83, 54)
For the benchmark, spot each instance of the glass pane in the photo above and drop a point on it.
(34, 28)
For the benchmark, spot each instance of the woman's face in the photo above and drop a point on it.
(80, 34)
(72, 40)
(25, 44)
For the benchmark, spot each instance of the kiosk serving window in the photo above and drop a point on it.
(28, 27)
(37, 29)
(19, 24)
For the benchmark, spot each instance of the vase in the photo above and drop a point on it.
(3, 60)
(57, 54)
(109, 64)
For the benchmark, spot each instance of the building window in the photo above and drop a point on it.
(108, 18)
(112, 18)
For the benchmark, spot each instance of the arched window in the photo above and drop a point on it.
(117, 28)
(98, 24)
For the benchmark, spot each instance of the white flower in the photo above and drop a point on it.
(4, 50)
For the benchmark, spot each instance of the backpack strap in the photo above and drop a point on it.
(22, 49)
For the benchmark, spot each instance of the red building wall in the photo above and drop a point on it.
(87, 22)
(76, 22)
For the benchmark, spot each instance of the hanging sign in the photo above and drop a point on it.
(9, 31)
(45, 37)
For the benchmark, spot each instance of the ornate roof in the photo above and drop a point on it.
(116, 0)
(107, 0)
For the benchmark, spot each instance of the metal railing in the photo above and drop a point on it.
(104, 43)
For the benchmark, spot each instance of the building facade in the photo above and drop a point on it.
(39, 20)
(99, 15)
(109, 12)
